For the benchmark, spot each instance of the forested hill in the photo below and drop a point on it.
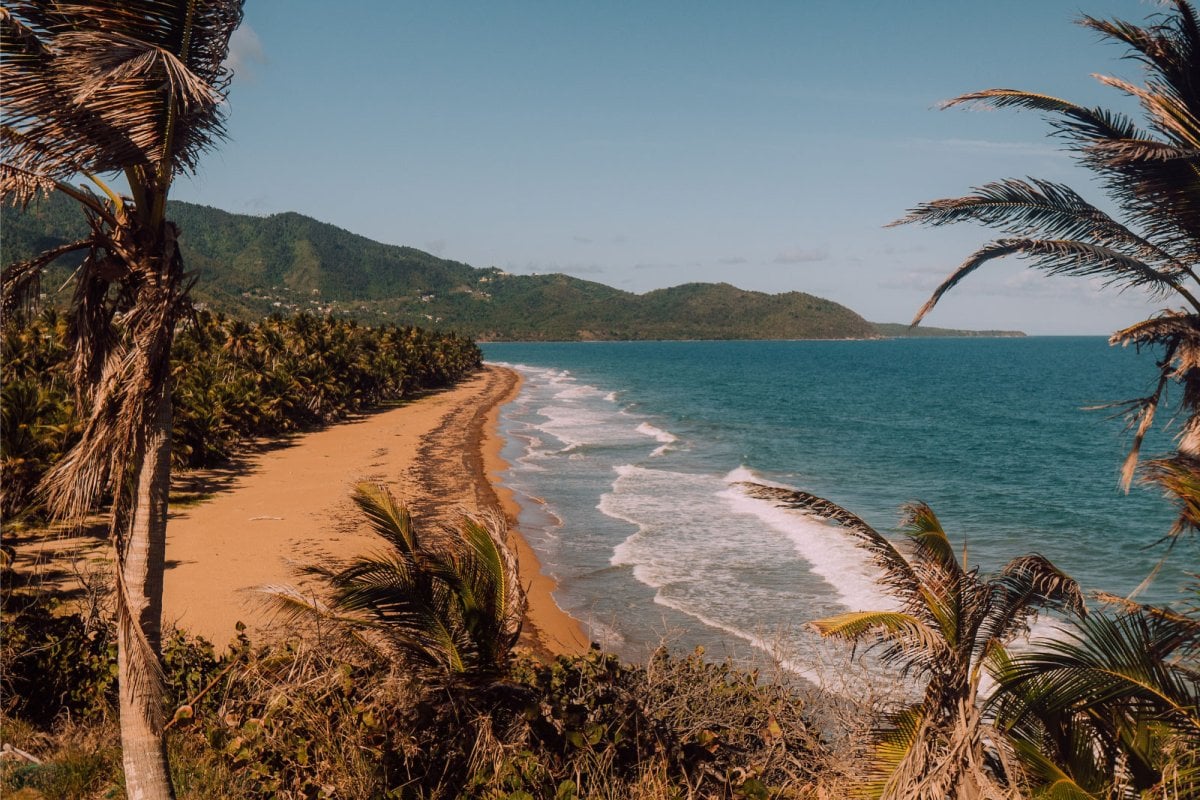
(250, 266)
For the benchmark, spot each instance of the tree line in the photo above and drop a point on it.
(232, 382)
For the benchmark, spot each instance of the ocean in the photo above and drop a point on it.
(624, 454)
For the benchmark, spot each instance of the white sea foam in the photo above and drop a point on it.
(661, 505)
(697, 549)
(770, 646)
(579, 392)
(658, 434)
(830, 553)
(575, 425)
(607, 635)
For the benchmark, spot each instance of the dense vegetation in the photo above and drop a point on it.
(323, 718)
(1109, 710)
(233, 381)
(250, 266)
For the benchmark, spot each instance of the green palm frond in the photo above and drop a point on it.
(855, 625)
(951, 623)
(387, 518)
(948, 594)
(448, 600)
(496, 597)
(1126, 659)
(1110, 705)
(899, 735)
(1055, 783)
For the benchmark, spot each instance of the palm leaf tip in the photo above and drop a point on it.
(1037, 575)
(810, 504)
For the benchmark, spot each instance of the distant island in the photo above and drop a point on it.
(902, 330)
(251, 266)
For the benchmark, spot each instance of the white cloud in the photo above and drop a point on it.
(802, 256)
(245, 50)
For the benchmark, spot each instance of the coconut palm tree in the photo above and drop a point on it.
(1108, 709)
(445, 600)
(130, 88)
(1152, 176)
(948, 624)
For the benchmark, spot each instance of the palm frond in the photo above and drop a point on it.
(387, 517)
(491, 569)
(1040, 209)
(947, 592)
(152, 96)
(449, 602)
(21, 281)
(898, 740)
(141, 672)
(1122, 659)
(1066, 257)
(921, 525)
(855, 625)
(1025, 585)
(1179, 478)
(896, 573)
(1077, 122)
(1179, 335)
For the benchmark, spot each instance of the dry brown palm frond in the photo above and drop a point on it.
(151, 97)
(1179, 477)
(898, 574)
(1033, 207)
(1178, 333)
(122, 398)
(20, 282)
(1068, 257)
(1185, 621)
(143, 672)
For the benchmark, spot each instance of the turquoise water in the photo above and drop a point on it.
(623, 455)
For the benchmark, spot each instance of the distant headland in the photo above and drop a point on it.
(253, 266)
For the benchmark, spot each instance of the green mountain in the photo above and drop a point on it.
(251, 266)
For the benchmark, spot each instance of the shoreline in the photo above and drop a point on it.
(554, 631)
(288, 503)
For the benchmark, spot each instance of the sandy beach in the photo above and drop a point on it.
(287, 505)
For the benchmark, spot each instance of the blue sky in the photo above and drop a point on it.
(650, 144)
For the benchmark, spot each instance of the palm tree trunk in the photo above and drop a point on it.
(147, 773)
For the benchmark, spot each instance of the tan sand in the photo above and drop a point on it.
(291, 505)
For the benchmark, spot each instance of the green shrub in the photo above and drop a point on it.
(54, 664)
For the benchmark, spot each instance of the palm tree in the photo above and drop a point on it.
(447, 601)
(1152, 176)
(1110, 708)
(949, 624)
(129, 88)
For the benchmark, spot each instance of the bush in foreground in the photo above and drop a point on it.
(313, 717)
